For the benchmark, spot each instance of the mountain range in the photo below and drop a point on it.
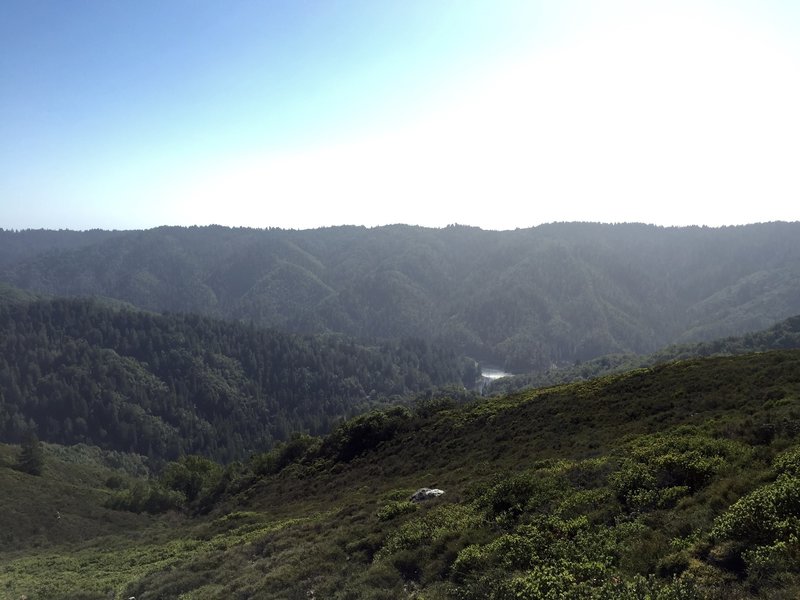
(523, 300)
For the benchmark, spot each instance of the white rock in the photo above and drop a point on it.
(423, 494)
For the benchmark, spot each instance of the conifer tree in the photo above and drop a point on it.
(31, 455)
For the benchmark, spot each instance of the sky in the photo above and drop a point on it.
(299, 114)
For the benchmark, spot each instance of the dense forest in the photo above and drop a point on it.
(677, 482)
(525, 300)
(163, 385)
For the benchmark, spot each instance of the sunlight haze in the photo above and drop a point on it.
(494, 114)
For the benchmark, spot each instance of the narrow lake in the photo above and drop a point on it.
(493, 373)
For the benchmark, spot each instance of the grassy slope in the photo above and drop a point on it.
(46, 520)
(315, 529)
(73, 485)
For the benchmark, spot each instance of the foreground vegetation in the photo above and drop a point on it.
(677, 481)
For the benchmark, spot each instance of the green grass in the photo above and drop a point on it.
(109, 565)
(62, 506)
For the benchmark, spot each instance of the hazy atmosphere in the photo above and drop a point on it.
(499, 114)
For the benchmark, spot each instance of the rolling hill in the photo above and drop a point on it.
(676, 481)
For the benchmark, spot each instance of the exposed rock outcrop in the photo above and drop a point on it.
(423, 494)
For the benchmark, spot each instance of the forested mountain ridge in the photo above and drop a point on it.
(16, 246)
(525, 299)
(163, 385)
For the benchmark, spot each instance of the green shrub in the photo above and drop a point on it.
(765, 561)
(511, 496)
(299, 447)
(788, 462)
(548, 557)
(581, 502)
(440, 522)
(143, 497)
(684, 458)
(662, 468)
(474, 558)
(768, 514)
(509, 552)
(190, 475)
(543, 581)
(115, 482)
(760, 532)
(628, 483)
(360, 434)
(394, 509)
(650, 588)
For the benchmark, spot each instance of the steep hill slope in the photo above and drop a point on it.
(525, 299)
(679, 481)
(161, 385)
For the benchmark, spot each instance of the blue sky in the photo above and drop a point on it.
(496, 113)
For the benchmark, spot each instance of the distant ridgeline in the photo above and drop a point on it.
(524, 300)
(80, 371)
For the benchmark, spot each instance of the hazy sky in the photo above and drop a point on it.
(496, 113)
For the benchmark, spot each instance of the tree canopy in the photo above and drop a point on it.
(163, 385)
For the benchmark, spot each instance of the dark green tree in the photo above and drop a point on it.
(190, 475)
(31, 455)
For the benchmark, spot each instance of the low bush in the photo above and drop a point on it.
(395, 509)
(359, 434)
(149, 498)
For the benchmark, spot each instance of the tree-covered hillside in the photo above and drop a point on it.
(16, 246)
(677, 482)
(162, 385)
(525, 299)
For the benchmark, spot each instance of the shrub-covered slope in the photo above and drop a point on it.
(781, 336)
(66, 503)
(674, 482)
(525, 299)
